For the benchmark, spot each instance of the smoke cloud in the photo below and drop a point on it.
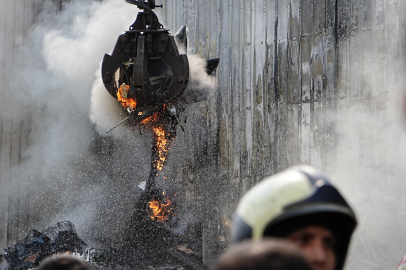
(368, 163)
(198, 76)
(69, 171)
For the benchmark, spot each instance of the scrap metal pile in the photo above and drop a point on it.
(30, 251)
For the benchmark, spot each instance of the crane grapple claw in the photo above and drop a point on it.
(145, 69)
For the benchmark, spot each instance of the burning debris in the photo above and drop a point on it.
(162, 147)
(159, 201)
(161, 209)
(147, 75)
(128, 103)
(30, 251)
(149, 78)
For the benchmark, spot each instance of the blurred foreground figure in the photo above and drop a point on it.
(269, 254)
(402, 264)
(301, 205)
(63, 262)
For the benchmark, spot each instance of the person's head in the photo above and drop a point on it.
(301, 205)
(63, 262)
(266, 254)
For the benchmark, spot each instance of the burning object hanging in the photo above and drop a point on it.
(145, 71)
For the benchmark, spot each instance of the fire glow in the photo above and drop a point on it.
(126, 102)
(161, 210)
(161, 141)
(162, 147)
(152, 118)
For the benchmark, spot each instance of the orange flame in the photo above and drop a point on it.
(162, 146)
(161, 211)
(152, 118)
(126, 102)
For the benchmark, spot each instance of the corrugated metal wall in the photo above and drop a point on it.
(16, 18)
(284, 65)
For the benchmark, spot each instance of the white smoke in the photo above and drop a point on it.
(197, 68)
(104, 110)
(368, 163)
(198, 74)
(63, 174)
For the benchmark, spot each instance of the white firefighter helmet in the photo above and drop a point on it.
(290, 200)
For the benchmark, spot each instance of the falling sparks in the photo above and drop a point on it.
(162, 147)
(126, 102)
(161, 209)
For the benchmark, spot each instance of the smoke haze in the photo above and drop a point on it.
(368, 163)
(65, 174)
(69, 172)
